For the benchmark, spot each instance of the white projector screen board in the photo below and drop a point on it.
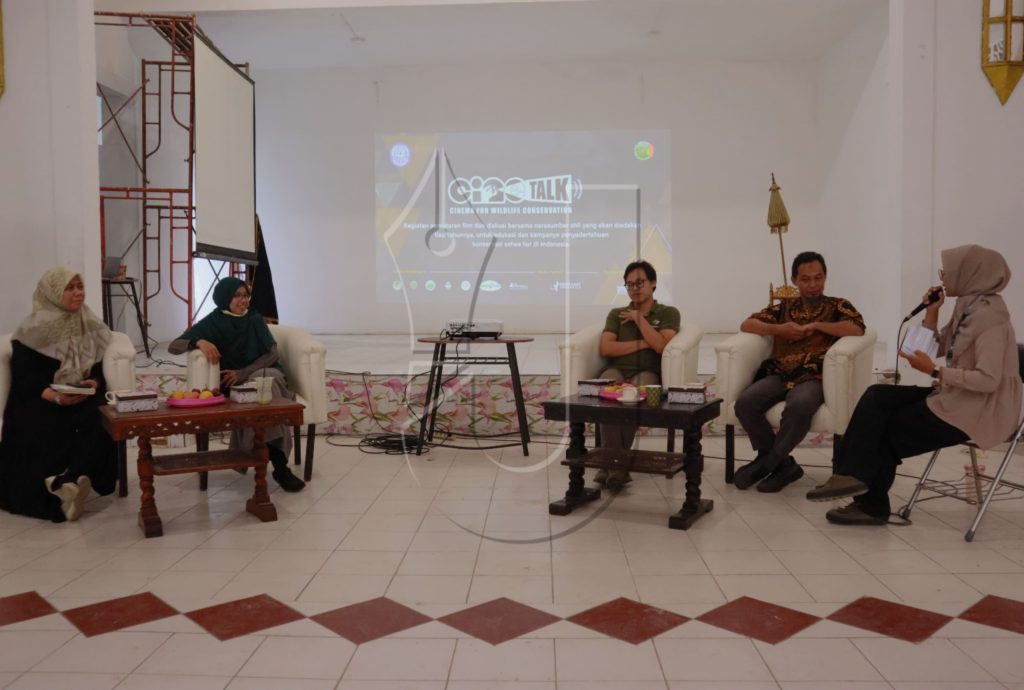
(225, 157)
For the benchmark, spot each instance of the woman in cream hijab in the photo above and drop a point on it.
(976, 395)
(53, 450)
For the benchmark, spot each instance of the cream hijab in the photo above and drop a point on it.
(974, 275)
(76, 339)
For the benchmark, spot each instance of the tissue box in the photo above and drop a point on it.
(689, 394)
(243, 394)
(591, 388)
(134, 402)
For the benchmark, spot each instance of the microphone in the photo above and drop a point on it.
(933, 297)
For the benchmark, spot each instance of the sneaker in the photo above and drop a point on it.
(286, 480)
(601, 477)
(852, 514)
(84, 488)
(782, 476)
(67, 492)
(838, 486)
(618, 479)
(751, 473)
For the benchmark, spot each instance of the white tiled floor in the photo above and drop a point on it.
(450, 529)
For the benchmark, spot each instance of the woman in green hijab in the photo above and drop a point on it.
(238, 339)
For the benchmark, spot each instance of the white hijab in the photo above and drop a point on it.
(76, 339)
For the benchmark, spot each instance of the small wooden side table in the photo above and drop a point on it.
(166, 421)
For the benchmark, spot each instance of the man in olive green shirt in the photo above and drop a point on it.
(633, 339)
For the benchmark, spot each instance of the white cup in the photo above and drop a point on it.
(628, 394)
(264, 389)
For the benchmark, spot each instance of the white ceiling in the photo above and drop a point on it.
(507, 33)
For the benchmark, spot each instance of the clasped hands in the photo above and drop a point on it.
(791, 332)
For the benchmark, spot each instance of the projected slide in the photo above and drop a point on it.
(564, 211)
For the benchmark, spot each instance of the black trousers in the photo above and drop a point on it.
(890, 423)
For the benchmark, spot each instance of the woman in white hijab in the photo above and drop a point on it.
(53, 450)
(976, 394)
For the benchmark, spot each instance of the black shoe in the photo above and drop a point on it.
(286, 480)
(617, 479)
(838, 486)
(751, 473)
(783, 475)
(853, 514)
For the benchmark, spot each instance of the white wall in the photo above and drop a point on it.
(979, 150)
(48, 168)
(732, 124)
(856, 183)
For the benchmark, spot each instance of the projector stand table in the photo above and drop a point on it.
(578, 410)
(441, 358)
(166, 421)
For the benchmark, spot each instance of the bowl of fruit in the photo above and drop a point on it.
(195, 398)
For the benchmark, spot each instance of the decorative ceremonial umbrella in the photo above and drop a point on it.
(778, 223)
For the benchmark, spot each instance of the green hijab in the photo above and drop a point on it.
(241, 339)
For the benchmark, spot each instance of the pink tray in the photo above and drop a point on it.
(196, 402)
(607, 395)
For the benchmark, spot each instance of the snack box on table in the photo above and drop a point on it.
(689, 394)
(591, 388)
(243, 394)
(134, 402)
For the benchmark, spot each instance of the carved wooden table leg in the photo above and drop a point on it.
(693, 464)
(577, 494)
(260, 505)
(149, 519)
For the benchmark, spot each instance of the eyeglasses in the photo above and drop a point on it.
(241, 295)
(635, 285)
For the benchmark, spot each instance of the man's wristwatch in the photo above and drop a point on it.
(935, 372)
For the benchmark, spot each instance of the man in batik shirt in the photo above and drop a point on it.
(803, 329)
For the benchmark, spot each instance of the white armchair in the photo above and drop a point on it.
(845, 377)
(118, 370)
(579, 358)
(303, 359)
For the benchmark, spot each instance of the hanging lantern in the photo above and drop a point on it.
(1002, 44)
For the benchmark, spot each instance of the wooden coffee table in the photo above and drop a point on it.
(578, 410)
(167, 421)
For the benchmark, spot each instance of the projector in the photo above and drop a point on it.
(480, 328)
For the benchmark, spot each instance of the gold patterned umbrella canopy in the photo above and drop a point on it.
(778, 223)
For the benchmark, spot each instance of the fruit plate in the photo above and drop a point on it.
(616, 395)
(196, 402)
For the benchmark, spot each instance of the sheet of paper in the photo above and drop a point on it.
(920, 338)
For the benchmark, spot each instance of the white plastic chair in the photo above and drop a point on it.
(846, 374)
(303, 360)
(580, 358)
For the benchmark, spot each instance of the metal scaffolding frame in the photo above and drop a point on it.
(165, 211)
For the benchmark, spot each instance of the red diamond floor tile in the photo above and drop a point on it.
(997, 612)
(758, 619)
(23, 607)
(628, 620)
(244, 616)
(894, 620)
(370, 620)
(108, 616)
(499, 620)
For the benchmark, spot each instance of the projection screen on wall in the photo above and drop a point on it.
(225, 162)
